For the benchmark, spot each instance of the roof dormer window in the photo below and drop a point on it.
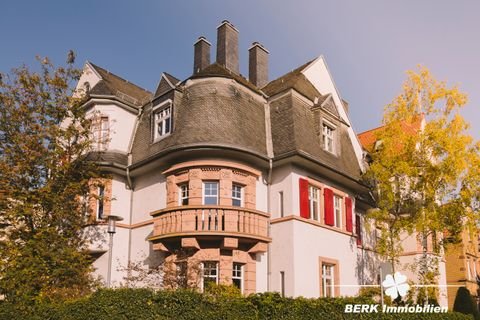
(328, 136)
(162, 120)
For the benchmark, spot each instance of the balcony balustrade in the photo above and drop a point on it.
(210, 220)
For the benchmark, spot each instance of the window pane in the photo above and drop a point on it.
(167, 125)
(211, 200)
(101, 194)
(328, 280)
(314, 202)
(183, 195)
(237, 275)
(210, 273)
(210, 193)
(236, 195)
(160, 128)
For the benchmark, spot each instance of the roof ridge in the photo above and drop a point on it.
(370, 130)
(298, 69)
(172, 76)
(117, 76)
(415, 119)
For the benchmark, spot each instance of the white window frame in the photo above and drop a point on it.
(234, 195)
(100, 132)
(100, 202)
(204, 196)
(314, 196)
(236, 276)
(208, 276)
(326, 277)
(328, 135)
(160, 109)
(181, 194)
(337, 210)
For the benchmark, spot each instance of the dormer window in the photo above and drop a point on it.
(162, 120)
(328, 133)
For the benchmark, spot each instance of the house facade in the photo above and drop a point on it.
(252, 182)
(462, 262)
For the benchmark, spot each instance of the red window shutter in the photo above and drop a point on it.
(358, 230)
(348, 209)
(328, 197)
(304, 204)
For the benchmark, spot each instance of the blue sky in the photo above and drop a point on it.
(368, 44)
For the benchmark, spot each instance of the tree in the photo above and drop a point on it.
(44, 137)
(424, 174)
(179, 270)
(464, 303)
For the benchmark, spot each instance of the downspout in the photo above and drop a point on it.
(130, 187)
(269, 146)
(269, 184)
(129, 254)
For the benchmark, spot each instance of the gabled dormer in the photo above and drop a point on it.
(319, 76)
(167, 83)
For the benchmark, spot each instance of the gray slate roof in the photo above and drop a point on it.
(112, 84)
(167, 83)
(214, 112)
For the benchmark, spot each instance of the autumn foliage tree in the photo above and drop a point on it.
(44, 136)
(424, 174)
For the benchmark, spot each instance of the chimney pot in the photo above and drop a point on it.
(227, 46)
(258, 64)
(201, 55)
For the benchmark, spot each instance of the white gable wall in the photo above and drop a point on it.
(122, 123)
(88, 75)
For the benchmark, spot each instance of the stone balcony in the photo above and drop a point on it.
(233, 226)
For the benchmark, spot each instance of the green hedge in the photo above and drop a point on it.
(144, 304)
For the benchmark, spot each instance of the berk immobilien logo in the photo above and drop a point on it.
(395, 286)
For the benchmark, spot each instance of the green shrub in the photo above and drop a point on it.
(220, 303)
(464, 303)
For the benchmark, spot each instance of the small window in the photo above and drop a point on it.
(210, 273)
(469, 274)
(237, 276)
(474, 269)
(237, 191)
(328, 276)
(338, 211)
(328, 133)
(210, 193)
(314, 201)
(100, 202)
(183, 194)
(86, 86)
(280, 203)
(163, 122)
(100, 130)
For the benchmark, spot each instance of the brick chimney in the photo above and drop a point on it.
(258, 64)
(227, 46)
(201, 55)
